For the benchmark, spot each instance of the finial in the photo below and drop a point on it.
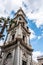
(20, 8)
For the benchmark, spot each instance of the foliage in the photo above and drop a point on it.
(7, 22)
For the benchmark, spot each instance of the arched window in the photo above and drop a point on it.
(24, 59)
(13, 36)
(23, 38)
(8, 59)
(9, 55)
(24, 62)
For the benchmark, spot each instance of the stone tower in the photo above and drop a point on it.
(17, 49)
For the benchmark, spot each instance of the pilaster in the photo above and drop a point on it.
(17, 55)
(20, 57)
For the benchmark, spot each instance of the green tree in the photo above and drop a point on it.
(7, 24)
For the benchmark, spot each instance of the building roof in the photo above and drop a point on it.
(40, 57)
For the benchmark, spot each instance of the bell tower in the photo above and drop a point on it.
(17, 50)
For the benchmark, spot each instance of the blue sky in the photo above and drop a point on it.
(34, 12)
(37, 41)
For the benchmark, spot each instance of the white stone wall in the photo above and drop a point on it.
(19, 32)
(40, 61)
(28, 60)
(16, 58)
(9, 38)
(20, 57)
(5, 60)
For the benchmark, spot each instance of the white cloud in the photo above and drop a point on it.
(36, 54)
(8, 6)
(34, 11)
(1, 43)
(36, 16)
(39, 37)
(32, 36)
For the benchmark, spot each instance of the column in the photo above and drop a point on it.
(31, 60)
(28, 60)
(17, 55)
(20, 57)
(13, 56)
(3, 57)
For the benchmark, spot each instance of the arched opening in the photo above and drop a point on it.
(9, 55)
(24, 59)
(8, 59)
(24, 62)
(23, 38)
(13, 36)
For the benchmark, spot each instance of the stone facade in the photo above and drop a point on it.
(17, 49)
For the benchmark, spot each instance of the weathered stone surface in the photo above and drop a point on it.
(16, 50)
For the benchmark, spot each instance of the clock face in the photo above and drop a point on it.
(8, 60)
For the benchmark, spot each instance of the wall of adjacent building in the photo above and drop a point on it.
(40, 61)
(34, 62)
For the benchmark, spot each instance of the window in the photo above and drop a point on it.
(19, 18)
(13, 36)
(23, 37)
(8, 59)
(24, 62)
(27, 27)
(9, 55)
